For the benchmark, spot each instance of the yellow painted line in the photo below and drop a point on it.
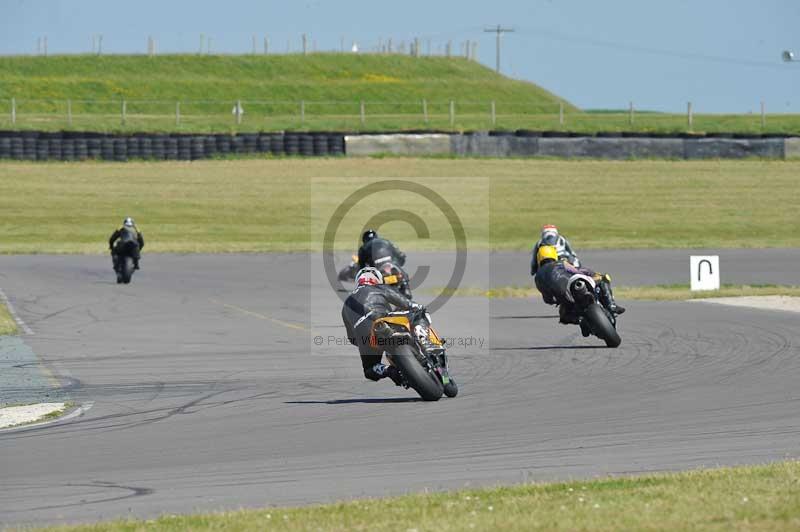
(286, 324)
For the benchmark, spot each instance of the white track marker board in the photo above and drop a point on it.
(704, 272)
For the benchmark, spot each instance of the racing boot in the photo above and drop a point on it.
(381, 371)
(585, 330)
(608, 296)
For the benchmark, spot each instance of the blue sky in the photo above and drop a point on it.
(724, 56)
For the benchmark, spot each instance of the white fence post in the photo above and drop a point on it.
(763, 115)
(124, 111)
(363, 112)
(302, 111)
(238, 112)
(177, 113)
(494, 114)
(425, 110)
(13, 110)
(452, 113)
(630, 113)
(689, 117)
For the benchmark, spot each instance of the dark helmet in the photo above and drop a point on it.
(368, 235)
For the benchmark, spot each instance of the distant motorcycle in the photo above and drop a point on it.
(417, 351)
(584, 293)
(122, 257)
(348, 273)
(392, 275)
(396, 277)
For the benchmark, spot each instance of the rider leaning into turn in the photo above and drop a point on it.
(370, 300)
(127, 233)
(375, 250)
(552, 276)
(551, 237)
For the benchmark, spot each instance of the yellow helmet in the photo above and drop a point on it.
(545, 253)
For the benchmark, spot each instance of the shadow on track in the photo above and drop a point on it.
(549, 316)
(547, 347)
(355, 401)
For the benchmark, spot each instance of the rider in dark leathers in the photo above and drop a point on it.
(369, 301)
(551, 279)
(128, 236)
(376, 250)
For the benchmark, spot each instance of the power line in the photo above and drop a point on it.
(499, 31)
(630, 47)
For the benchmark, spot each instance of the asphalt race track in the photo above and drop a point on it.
(207, 391)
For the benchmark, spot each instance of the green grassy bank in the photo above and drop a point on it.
(319, 91)
(743, 498)
(331, 87)
(7, 323)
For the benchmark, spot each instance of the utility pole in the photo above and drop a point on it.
(499, 31)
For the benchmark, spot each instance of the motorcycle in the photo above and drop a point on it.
(585, 298)
(122, 258)
(393, 275)
(348, 273)
(397, 278)
(417, 351)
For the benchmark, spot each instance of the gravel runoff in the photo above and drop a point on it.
(787, 303)
(24, 414)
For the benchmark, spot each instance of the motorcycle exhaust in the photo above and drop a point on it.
(580, 289)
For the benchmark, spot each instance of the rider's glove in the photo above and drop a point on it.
(417, 307)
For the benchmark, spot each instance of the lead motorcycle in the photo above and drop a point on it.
(417, 351)
(585, 297)
(122, 259)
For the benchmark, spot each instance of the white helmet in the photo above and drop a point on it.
(549, 235)
(128, 222)
(369, 275)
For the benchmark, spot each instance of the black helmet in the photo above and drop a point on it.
(368, 235)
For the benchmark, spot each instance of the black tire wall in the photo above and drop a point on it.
(79, 146)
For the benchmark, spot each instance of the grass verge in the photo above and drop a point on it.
(763, 497)
(675, 292)
(265, 205)
(7, 323)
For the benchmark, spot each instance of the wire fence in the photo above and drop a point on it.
(277, 115)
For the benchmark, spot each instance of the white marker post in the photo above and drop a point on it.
(704, 272)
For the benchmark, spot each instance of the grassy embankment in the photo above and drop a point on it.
(7, 323)
(332, 86)
(266, 205)
(744, 498)
(272, 87)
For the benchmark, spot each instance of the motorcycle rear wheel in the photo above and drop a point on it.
(426, 384)
(601, 326)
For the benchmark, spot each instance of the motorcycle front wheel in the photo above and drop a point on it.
(127, 269)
